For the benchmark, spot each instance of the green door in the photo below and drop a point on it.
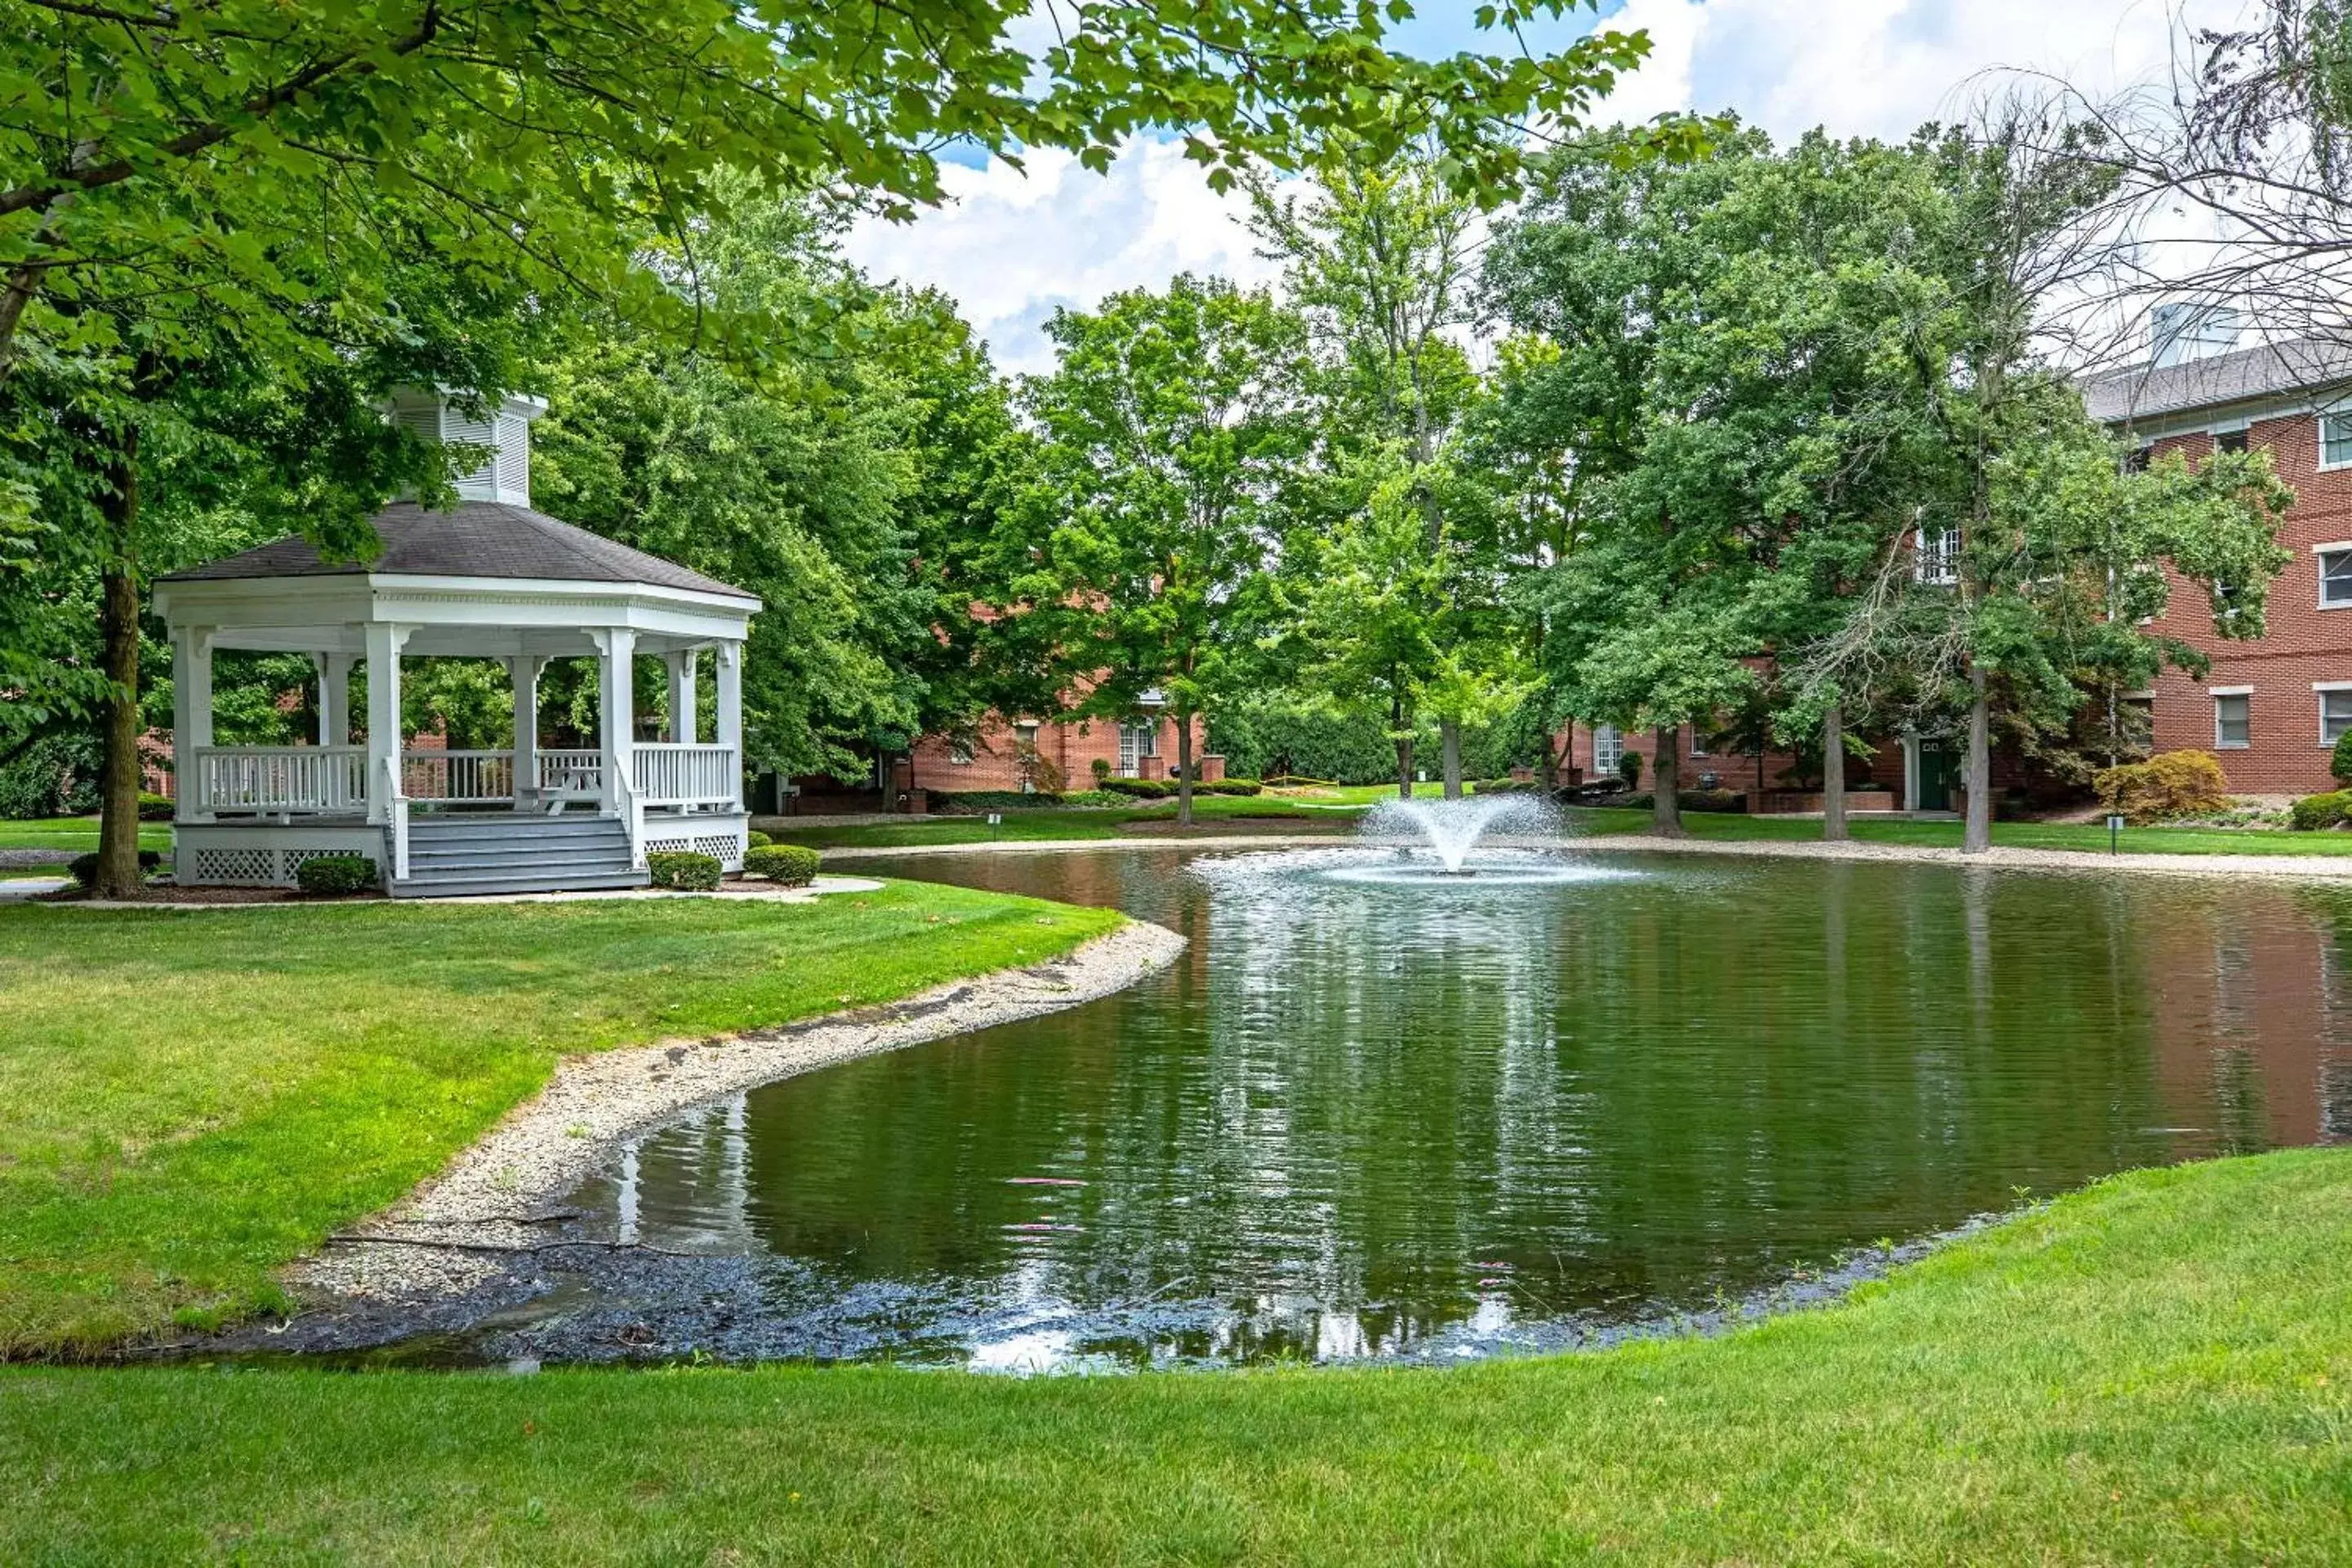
(1938, 771)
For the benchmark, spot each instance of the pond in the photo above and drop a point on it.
(1451, 1119)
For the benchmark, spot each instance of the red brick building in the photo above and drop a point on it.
(2272, 707)
(996, 760)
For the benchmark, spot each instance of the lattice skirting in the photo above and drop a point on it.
(253, 865)
(724, 844)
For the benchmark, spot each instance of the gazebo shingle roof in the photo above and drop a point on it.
(473, 539)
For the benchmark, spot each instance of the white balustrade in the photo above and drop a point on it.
(281, 778)
(571, 774)
(465, 777)
(669, 774)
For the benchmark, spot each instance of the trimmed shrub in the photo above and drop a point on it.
(56, 775)
(1094, 797)
(1231, 787)
(154, 807)
(2166, 788)
(788, 865)
(83, 868)
(325, 876)
(1629, 768)
(2339, 761)
(1689, 800)
(683, 870)
(755, 839)
(975, 800)
(1102, 771)
(2314, 812)
(1139, 789)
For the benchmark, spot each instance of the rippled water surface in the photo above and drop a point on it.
(1444, 1118)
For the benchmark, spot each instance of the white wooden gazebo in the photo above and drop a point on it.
(488, 578)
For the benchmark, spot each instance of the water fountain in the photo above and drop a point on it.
(1451, 830)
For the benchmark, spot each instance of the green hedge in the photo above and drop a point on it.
(791, 864)
(56, 775)
(684, 870)
(327, 875)
(1258, 741)
(2315, 812)
(972, 800)
(1694, 800)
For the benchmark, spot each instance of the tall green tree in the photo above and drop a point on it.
(149, 149)
(1166, 434)
(1378, 258)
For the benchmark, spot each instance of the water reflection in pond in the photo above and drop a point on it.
(1361, 1119)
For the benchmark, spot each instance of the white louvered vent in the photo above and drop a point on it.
(505, 474)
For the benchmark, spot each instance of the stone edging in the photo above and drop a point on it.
(2281, 867)
(492, 1192)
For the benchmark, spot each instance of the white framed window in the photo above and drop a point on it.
(1024, 733)
(959, 753)
(2336, 440)
(1698, 741)
(2233, 719)
(2335, 709)
(1936, 558)
(2334, 574)
(1608, 750)
(2231, 440)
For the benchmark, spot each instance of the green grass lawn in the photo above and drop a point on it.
(2089, 838)
(78, 834)
(2156, 1370)
(1316, 812)
(189, 1099)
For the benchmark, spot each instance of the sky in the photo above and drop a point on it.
(1010, 247)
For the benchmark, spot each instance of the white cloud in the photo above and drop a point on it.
(1011, 247)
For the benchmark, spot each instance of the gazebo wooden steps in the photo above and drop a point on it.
(515, 853)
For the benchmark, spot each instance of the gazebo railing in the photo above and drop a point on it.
(571, 775)
(461, 778)
(281, 778)
(677, 775)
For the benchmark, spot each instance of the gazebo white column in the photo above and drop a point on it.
(616, 648)
(524, 671)
(334, 697)
(192, 718)
(729, 715)
(681, 697)
(384, 733)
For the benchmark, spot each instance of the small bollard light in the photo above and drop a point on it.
(995, 819)
(2114, 829)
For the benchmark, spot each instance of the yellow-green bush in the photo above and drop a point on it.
(2166, 788)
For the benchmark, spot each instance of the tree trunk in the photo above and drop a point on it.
(1976, 835)
(1184, 770)
(1665, 784)
(886, 762)
(118, 822)
(1404, 761)
(1449, 733)
(1833, 775)
(1548, 767)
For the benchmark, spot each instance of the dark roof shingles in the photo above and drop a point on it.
(2146, 392)
(475, 539)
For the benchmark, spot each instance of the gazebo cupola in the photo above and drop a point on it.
(488, 577)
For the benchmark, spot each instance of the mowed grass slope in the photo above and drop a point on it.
(2156, 1370)
(189, 1099)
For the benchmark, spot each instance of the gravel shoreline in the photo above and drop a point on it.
(2275, 867)
(498, 1196)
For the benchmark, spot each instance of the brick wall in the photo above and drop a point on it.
(1071, 745)
(2303, 643)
